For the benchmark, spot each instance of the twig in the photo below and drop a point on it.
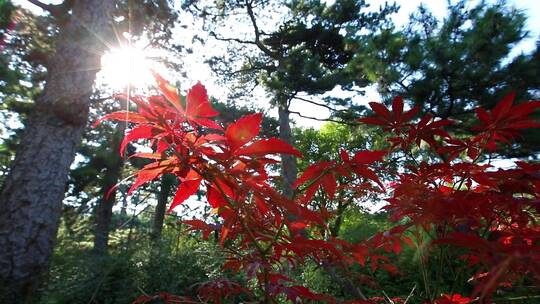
(231, 39)
(410, 294)
(317, 104)
(135, 215)
(325, 119)
(258, 41)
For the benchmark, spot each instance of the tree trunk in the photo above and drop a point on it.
(340, 214)
(289, 169)
(105, 205)
(31, 197)
(167, 182)
(123, 210)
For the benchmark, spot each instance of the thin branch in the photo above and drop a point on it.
(258, 42)
(206, 13)
(231, 39)
(410, 294)
(137, 214)
(43, 6)
(317, 104)
(352, 288)
(404, 77)
(100, 99)
(250, 69)
(325, 119)
(57, 11)
(403, 86)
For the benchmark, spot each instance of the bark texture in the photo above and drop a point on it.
(167, 182)
(104, 207)
(31, 197)
(289, 170)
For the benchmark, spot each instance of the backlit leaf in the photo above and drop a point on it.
(197, 104)
(122, 116)
(243, 130)
(268, 146)
(186, 189)
(140, 132)
(169, 91)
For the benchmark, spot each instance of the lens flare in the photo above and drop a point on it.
(125, 66)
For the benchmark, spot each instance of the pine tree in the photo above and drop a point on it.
(32, 193)
(453, 65)
(314, 50)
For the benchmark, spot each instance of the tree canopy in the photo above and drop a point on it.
(450, 66)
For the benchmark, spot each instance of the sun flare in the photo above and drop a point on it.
(126, 66)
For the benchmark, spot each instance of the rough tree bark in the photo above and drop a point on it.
(31, 197)
(167, 182)
(104, 207)
(289, 170)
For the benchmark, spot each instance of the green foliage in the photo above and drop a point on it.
(317, 279)
(24, 44)
(325, 143)
(6, 11)
(154, 19)
(313, 48)
(453, 65)
(319, 45)
(359, 225)
(177, 265)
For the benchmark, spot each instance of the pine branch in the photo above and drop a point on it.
(231, 39)
(43, 6)
(349, 123)
(258, 41)
(57, 11)
(318, 104)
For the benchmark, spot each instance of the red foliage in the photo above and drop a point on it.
(453, 299)
(487, 212)
(163, 297)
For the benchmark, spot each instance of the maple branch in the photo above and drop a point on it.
(258, 246)
(276, 237)
(311, 182)
(230, 201)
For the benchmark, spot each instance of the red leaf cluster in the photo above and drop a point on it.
(458, 201)
(489, 212)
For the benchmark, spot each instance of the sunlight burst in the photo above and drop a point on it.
(126, 66)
